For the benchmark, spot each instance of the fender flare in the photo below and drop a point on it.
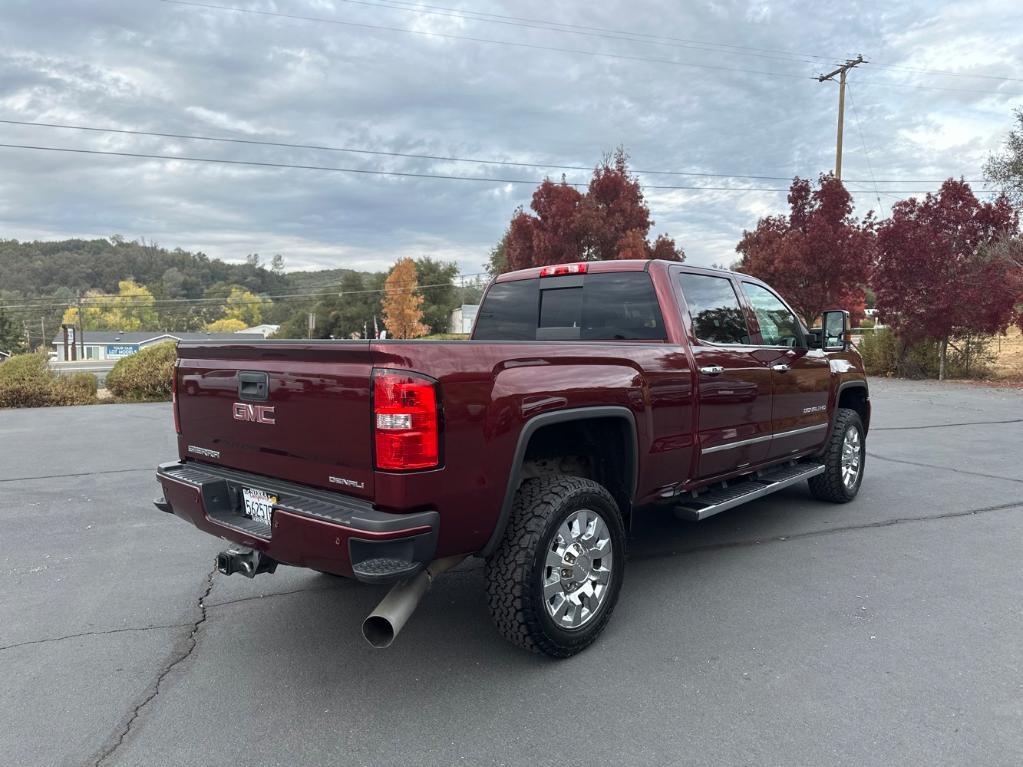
(546, 419)
(855, 384)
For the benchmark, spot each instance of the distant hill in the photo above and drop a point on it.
(30, 269)
(315, 280)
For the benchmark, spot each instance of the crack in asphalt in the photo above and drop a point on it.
(944, 425)
(78, 474)
(827, 531)
(154, 689)
(267, 596)
(101, 632)
(944, 468)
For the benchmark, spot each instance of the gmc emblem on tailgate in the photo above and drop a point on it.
(254, 413)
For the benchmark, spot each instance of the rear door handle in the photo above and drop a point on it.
(712, 370)
(780, 368)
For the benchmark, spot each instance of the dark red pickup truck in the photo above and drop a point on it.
(588, 391)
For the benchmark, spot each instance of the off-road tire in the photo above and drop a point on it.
(830, 486)
(513, 571)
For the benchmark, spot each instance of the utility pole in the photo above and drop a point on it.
(81, 323)
(841, 71)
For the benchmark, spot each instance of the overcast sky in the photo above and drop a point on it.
(701, 87)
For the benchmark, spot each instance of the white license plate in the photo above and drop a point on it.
(258, 505)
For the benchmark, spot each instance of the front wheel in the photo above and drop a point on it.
(844, 457)
(554, 580)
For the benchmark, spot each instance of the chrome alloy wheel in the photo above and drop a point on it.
(577, 574)
(851, 457)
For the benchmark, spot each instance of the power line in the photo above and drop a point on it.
(574, 29)
(869, 82)
(399, 4)
(114, 300)
(863, 143)
(409, 155)
(490, 41)
(400, 174)
(944, 72)
(639, 36)
(405, 30)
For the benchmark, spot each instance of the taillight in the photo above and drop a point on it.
(562, 269)
(406, 421)
(174, 399)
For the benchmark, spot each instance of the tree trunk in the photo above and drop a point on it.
(941, 359)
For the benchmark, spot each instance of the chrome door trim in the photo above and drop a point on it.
(764, 438)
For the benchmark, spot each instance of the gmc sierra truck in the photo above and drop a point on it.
(587, 392)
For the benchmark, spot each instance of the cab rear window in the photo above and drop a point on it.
(617, 306)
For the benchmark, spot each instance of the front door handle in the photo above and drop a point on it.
(780, 368)
(712, 370)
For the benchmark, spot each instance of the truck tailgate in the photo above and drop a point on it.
(292, 410)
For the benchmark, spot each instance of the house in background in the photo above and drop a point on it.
(266, 330)
(102, 345)
(463, 317)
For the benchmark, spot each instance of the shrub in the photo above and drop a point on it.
(146, 375)
(885, 355)
(880, 353)
(83, 383)
(26, 380)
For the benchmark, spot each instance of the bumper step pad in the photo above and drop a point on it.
(718, 499)
(383, 569)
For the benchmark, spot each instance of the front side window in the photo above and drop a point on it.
(778, 326)
(715, 310)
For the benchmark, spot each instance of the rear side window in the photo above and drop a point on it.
(715, 310)
(508, 312)
(618, 306)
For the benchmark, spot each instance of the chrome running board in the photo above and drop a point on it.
(721, 498)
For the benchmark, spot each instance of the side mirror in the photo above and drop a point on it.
(834, 330)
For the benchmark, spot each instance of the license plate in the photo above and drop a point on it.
(258, 504)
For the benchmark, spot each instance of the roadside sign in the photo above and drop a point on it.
(116, 351)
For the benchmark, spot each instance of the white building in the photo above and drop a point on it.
(113, 345)
(463, 317)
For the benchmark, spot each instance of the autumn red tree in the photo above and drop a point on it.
(819, 255)
(402, 303)
(945, 266)
(610, 221)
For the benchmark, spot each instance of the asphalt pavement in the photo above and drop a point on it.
(786, 632)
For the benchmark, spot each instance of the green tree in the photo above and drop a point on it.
(1005, 168)
(10, 338)
(440, 294)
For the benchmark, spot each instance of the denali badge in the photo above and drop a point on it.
(254, 413)
(204, 451)
(345, 482)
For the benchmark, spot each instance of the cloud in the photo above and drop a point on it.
(180, 69)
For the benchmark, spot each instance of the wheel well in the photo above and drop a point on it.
(600, 449)
(855, 398)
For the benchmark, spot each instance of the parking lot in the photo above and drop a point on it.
(786, 632)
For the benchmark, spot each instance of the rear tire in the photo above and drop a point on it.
(844, 458)
(553, 581)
